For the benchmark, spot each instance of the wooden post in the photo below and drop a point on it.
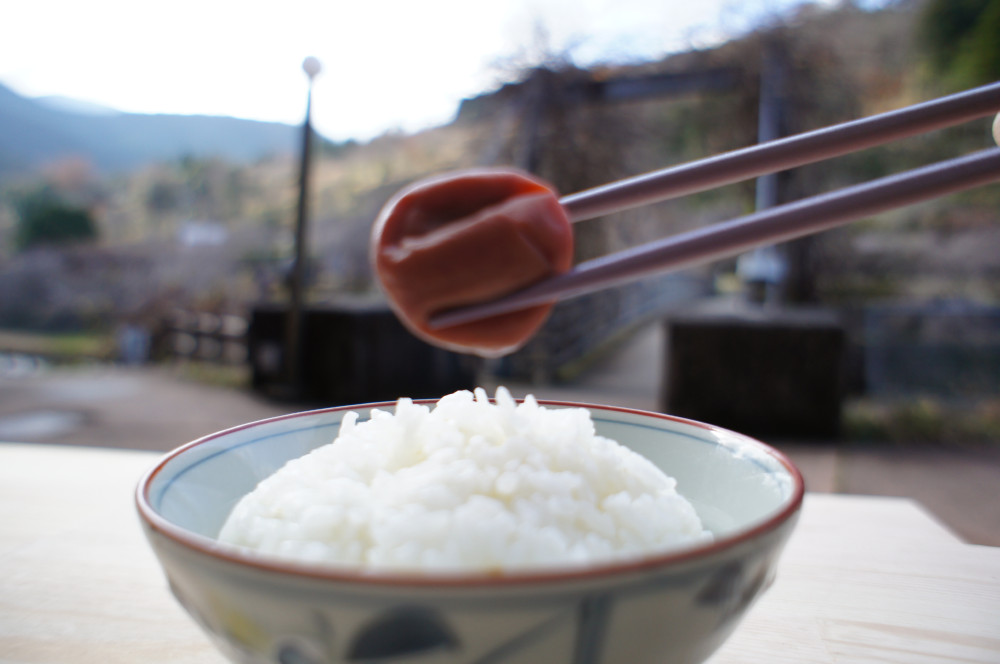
(764, 269)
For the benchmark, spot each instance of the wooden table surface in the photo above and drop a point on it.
(862, 580)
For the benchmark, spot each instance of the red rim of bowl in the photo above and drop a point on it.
(210, 547)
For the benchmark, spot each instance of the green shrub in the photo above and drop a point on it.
(45, 219)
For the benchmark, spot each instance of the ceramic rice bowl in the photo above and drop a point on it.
(676, 607)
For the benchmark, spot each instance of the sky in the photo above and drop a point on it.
(388, 65)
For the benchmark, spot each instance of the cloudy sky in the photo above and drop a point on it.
(387, 64)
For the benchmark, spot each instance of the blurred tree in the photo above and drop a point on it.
(163, 196)
(960, 37)
(44, 218)
(207, 188)
(334, 149)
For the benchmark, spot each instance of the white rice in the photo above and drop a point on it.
(467, 485)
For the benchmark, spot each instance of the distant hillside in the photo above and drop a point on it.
(33, 132)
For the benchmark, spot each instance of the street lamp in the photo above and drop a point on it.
(293, 333)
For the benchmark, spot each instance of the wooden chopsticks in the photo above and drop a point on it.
(777, 224)
(783, 153)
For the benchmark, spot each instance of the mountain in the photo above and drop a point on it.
(70, 105)
(33, 132)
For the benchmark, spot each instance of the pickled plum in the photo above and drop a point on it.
(470, 237)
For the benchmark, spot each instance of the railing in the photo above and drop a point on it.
(207, 337)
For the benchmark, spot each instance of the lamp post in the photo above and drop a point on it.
(296, 284)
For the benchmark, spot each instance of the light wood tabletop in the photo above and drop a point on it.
(863, 579)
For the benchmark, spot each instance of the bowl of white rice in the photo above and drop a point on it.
(470, 529)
